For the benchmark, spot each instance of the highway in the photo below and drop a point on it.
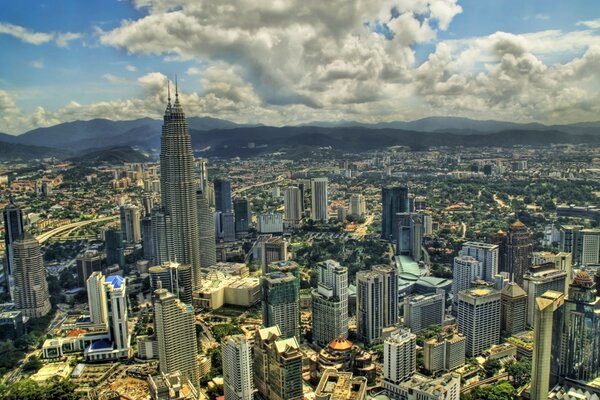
(279, 179)
(75, 225)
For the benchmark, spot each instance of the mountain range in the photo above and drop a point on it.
(108, 140)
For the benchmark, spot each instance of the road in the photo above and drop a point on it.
(75, 225)
(361, 230)
(279, 179)
(464, 230)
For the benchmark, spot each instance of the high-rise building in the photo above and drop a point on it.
(222, 194)
(269, 223)
(13, 229)
(116, 298)
(581, 358)
(86, 264)
(330, 303)
(97, 302)
(518, 251)
(270, 249)
(394, 200)
(409, 237)
(277, 365)
(130, 223)
(590, 247)
(399, 360)
(422, 311)
(319, 199)
(376, 303)
(241, 209)
(206, 228)
(466, 270)
(546, 343)
(174, 277)
(479, 318)
(514, 310)
(202, 172)
(31, 288)
(178, 190)
(445, 352)
(147, 238)
(236, 353)
(281, 303)
(175, 330)
(292, 205)
(539, 281)
(358, 207)
(570, 241)
(487, 254)
(227, 224)
(113, 245)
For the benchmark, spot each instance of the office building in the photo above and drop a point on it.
(269, 223)
(422, 311)
(292, 205)
(590, 247)
(147, 238)
(222, 189)
(445, 352)
(178, 190)
(277, 365)
(175, 327)
(478, 318)
(570, 241)
(161, 232)
(409, 237)
(130, 223)
(227, 224)
(335, 385)
(30, 293)
(466, 270)
(87, 263)
(319, 199)
(399, 359)
(514, 310)
(518, 251)
(241, 209)
(13, 230)
(281, 303)
(113, 246)
(270, 249)
(174, 277)
(116, 303)
(236, 353)
(330, 303)
(98, 305)
(376, 302)
(394, 200)
(546, 344)
(487, 254)
(358, 206)
(581, 338)
(537, 282)
(206, 229)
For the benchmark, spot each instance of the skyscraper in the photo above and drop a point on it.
(31, 289)
(399, 360)
(222, 194)
(292, 204)
(518, 251)
(546, 343)
(394, 200)
(97, 299)
(422, 311)
(581, 359)
(590, 247)
(466, 270)
(87, 263)
(570, 241)
(539, 281)
(206, 226)
(487, 254)
(281, 303)
(236, 352)
(241, 209)
(410, 235)
(147, 238)
(358, 207)
(178, 189)
(479, 318)
(514, 309)
(176, 335)
(13, 229)
(130, 223)
(319, 199)
(116, 297)
(330, 303)
(174, 277)
(113, 244)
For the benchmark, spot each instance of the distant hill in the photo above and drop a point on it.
(112, 156)
(15, 152)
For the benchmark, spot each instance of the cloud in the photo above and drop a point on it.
(130, 68)
(37, 64)
(37, 38)
(542, 17)
(592, 24)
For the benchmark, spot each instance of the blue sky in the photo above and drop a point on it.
(65, 60)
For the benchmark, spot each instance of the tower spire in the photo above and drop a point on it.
(168, 91)
(176, 90)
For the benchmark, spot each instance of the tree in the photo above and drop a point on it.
(32, 365)
(221, 330)
(499, 391)
(519, 373)
(491, 367)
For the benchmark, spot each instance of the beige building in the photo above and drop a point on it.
(445, 352)
(31, 289)
(336, 385)
(218, 289)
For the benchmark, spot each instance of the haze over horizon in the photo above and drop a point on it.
(289, 62)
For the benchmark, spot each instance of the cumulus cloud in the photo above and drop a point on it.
(37, 64)
(131, 68)
(37, 38)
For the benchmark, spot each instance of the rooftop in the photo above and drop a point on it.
(116, 281)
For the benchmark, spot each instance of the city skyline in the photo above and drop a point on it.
(293, 62)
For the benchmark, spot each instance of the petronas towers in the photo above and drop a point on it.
(178, 191)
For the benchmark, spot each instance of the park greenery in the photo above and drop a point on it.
(27, 389)
(499, 391)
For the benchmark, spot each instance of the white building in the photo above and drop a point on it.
(330, 303)
(270, 223)
(236, 352)
(466, 270)
(486, 254)
(97, 299)
(479, 313)
(399, 360)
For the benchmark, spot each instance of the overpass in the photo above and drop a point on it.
(72, 226)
